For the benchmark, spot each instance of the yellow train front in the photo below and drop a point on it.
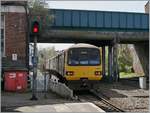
(82, 66)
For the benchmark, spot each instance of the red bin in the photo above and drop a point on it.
(10, 81)
(15, 81)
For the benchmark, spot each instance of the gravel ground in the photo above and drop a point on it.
(126, 97)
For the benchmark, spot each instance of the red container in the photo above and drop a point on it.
(10, 81)
(21, 83)
(16, 81)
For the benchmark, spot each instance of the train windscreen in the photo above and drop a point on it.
(84, 56)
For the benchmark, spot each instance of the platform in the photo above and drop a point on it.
(66, 107)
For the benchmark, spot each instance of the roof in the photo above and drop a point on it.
(83, 45)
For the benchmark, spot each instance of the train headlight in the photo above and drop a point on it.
(69, 73)
(98, 73)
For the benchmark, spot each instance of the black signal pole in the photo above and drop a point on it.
(34, 85)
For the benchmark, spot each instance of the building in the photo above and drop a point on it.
(147, 7)
(14, 34)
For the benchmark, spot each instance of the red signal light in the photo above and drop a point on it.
(35, 28)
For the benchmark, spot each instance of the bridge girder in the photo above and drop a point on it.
(70, 36)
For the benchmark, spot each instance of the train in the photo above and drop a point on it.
(79, 66)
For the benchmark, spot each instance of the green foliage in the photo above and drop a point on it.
(37, 10)
(128, 75)
(125, 59)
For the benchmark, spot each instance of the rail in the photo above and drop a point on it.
(99, 101)
(100, 97)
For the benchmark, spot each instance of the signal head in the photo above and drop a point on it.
(35, 27)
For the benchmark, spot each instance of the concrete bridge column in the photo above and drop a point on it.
(115, 63)
(110, 63)
(142, 50)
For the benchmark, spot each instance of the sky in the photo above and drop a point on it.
(123, 6)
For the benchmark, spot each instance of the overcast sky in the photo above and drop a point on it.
(125, 6)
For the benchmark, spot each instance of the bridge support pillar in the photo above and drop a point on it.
(115, 63)
(110, 65)
(142, 50)
(103, 61)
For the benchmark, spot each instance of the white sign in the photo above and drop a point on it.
(14, 57)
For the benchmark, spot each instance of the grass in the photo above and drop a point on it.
(129, 75)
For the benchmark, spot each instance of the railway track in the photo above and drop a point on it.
(93, 97)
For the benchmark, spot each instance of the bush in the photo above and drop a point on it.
(125, 59)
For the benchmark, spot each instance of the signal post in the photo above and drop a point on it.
(35, 33)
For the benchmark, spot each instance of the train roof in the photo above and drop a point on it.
(83, 45)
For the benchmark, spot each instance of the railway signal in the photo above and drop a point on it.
(35, 28)
(35, 32)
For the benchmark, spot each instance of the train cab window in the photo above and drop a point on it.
(83, 56)
(94, 57)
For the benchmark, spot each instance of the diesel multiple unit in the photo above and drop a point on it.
(80, 66)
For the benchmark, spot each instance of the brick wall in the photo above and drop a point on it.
(15, 35)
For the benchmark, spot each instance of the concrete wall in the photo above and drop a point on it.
(61, 89)
(137, 67)
(142, 50)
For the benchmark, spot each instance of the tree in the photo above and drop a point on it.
(125, 59)
(37, 9)
(45, 53)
